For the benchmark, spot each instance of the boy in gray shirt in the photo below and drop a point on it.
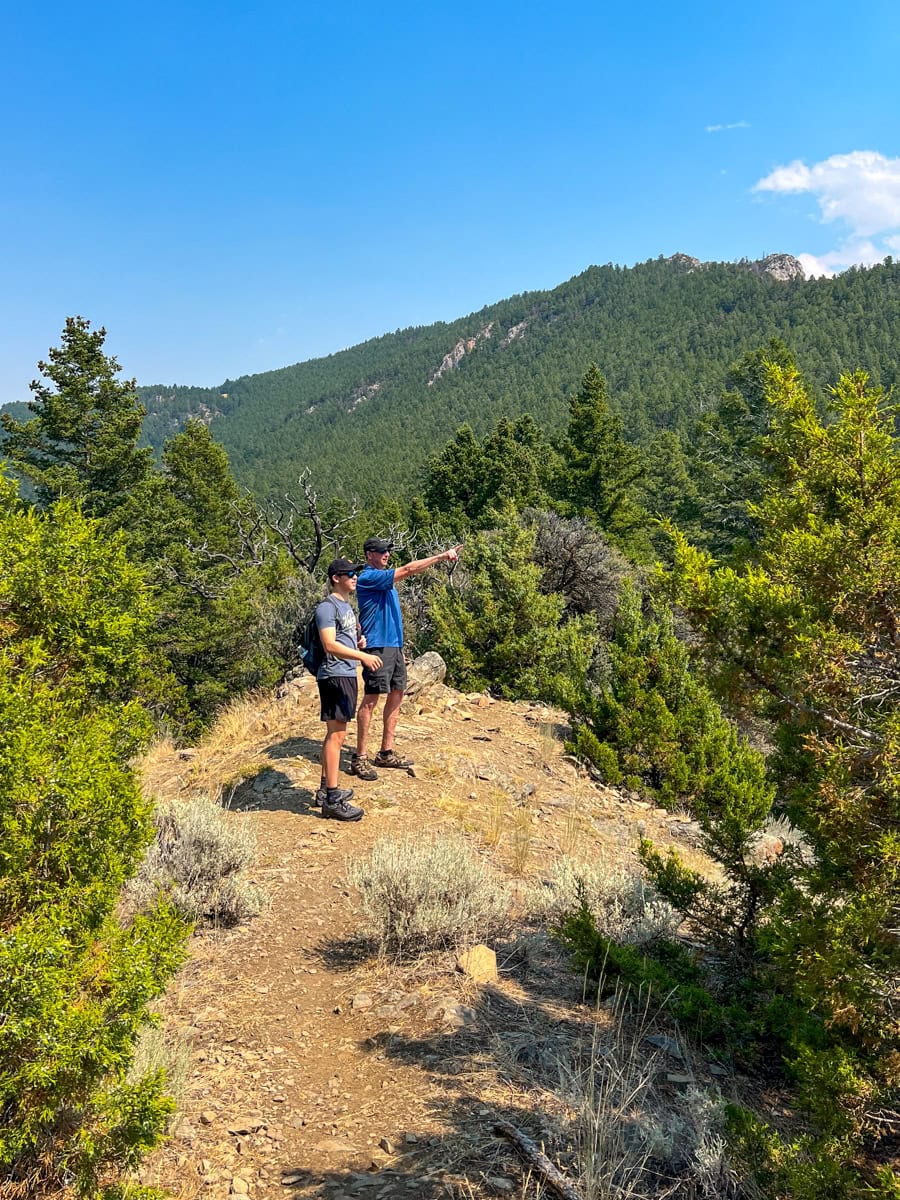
(336, 678)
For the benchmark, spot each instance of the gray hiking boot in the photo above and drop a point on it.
(321, 795)
(338, 808)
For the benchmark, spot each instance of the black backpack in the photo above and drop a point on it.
(312, 652)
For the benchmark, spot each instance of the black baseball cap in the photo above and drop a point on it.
(342, 566)
(377, 546)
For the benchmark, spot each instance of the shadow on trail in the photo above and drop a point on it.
(470, 1160)
(273, 791)
(296, 747)
(486, 1056)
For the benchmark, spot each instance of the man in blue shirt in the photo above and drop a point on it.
(382, 625)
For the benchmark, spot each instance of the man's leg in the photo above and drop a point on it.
(363, 720)
(391, 713)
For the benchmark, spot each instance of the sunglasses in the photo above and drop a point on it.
(349, 574)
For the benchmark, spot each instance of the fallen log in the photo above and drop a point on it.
(539, 1162)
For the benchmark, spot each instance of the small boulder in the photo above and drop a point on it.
(424, 673)
(479, 963)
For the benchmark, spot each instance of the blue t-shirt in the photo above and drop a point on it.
(379, 607)
(338, 613)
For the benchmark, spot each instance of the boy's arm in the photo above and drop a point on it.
(331, 645)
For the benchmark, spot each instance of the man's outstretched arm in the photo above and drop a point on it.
(418, 565)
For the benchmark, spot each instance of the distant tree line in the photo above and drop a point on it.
(663, 335)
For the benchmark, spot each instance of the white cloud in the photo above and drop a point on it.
(860, 189)
(852, 253)
(732, 125)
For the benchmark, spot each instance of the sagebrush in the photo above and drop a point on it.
(418, 896)
(200, 860)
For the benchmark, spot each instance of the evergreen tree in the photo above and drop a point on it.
(468, 479)
(213, 596)
(806, 634)
(82, 442)
(668, 488)
(75, 978)
(651, 724)
(600, 471)
(495, 627)
(727, 464)
(454, 478)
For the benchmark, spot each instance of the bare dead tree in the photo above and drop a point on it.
(301, 526)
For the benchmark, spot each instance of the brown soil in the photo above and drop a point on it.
(315, 1068)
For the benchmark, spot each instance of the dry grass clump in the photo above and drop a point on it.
(418, 896)
(200, 858)
(235, 748)
(611, 1093)
(160, 1049)
(632, 1141)
(624, 906)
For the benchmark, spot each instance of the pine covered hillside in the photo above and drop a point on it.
(663, 333)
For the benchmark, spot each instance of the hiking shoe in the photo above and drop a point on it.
(338, 808)
(362, 768)
(322, 795)
(390, 758)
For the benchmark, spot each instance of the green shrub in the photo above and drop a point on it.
(497, 630)
(587, 746)
(650, 720)
(666, 970)
(803, 632)
(75, 981)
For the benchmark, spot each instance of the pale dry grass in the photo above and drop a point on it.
(521, 840)
(550, 746)
(234, 749)
(611, 1093)
(159, 1048)
(494, 821)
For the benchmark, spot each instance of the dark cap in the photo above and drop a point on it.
(341, 566)
(377, 546)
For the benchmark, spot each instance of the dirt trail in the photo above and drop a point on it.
(315, 1072)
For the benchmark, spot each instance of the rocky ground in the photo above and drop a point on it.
(316, 1069)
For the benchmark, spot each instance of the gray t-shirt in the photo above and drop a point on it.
(339, 614)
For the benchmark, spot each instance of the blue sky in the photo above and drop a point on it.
(233, 187)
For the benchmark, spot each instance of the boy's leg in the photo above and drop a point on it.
(331, 751)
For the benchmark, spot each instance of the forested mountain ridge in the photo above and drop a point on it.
(663, 333)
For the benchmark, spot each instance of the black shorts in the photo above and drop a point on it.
(391, 677)
(337, 694)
